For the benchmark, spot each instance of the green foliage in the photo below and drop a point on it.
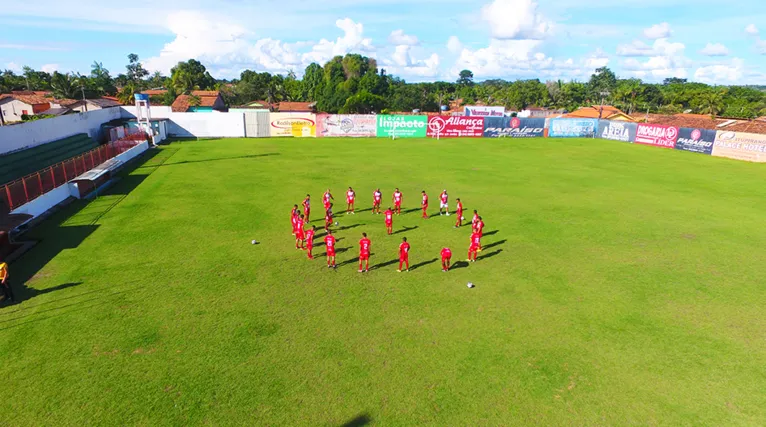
(363, 103)
(191, 75)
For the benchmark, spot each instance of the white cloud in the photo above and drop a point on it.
(658, 67)
(404, 63)
(49, 68)
(760, 46)
(635, 48)
(515, 20)
(732, 72)
(16, 68)
(454, 45)
(352, 40)
(714, 49)
(398, 38)
(597, 59)
(659, 31)
(752, 30)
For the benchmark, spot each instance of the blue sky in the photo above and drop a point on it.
(420, 40)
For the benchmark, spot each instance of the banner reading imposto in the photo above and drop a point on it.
(513, 127)
(617, 131)
(656, 135)
(696, 140)
(572, 128)
(739, 145)
(482, 111)
(292, 124)
(352, 125)
(402, 126)
(454, 127)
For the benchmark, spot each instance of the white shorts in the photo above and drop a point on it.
(444, 205)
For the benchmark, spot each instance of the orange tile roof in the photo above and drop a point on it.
(592, 112)
(299, 107)
(155, 92)
(754, 126)
(202, 93)
(206, 99)
(698, 121)
(31, 98)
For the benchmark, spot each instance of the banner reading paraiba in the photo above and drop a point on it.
(572, 128)
(741, 146)
(454, 127)
(402, 126)
(351, 125)
(513, 127)
(292, 124)
(656, 135)
(696, 140)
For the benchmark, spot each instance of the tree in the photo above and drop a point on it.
(712, 101)
(100, 81)
(466, 78)
(191, 75)
(363, 103)
(135, 71)
(312, 77)
(126, 96)
(36, 80)
(65, 86)
(603, 80)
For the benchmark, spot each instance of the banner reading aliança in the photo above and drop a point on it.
(656, 135)
(352, 125)
(292, 124)
(513, 127)
(741, 146)
(695, 140)
(402, 126)
(572, 128)
(453, 127)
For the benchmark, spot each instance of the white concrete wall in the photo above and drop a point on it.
(199, 125)
(30, 134)
(13, 109)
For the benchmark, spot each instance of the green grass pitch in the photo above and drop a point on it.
(621, 285)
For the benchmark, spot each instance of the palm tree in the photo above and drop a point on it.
(712, 101)
(127, 95)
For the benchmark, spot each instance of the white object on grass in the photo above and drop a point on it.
(470, 285)
(336, 223)
(254, 242)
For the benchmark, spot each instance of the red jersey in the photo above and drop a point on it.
(425, 199)
(326, 198)
(404, 250)
(350, 195)
(299, 224)
(460, 208)
(444, 197)
(446, 253)
(479, 226)
(376, 196)
(328, 217)
(389, 216)
(329, 242)
(475, 219)
(475, 240)
(310, 237)
(398, 198)
(364, 246)
(307, 203)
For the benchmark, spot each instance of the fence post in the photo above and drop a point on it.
(10, 199)
(40, 181)
(92, 159)
(24, 183)
(53, 178)
(84, 166)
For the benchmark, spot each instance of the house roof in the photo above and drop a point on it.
(300, 107)
(698, 121)
(31, 98)
(206, 98)
(256, 104)
(154, 92)
(754, 126)
(592, 112)
(58, 111)
(65, 102)
(104, 102)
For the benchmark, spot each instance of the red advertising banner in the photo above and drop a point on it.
(452, 127)
(657, 135)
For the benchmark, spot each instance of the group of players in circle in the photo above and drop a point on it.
(304, 237)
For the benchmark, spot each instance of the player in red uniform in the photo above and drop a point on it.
(307, 207)
(444, 203)
(300, 233)
(474, 248)
(350, 197)
(389, 215)
(397, 198)
(328, 217)
(294, 217)
(424, 204)
(480, 230)
(329, 242)
(376, 199)
(364, 253)
(326, 198)
(446, 257)
(474, 220)
(459, 211)
(404, 255)
(310, 241)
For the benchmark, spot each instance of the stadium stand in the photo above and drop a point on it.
(20, 163)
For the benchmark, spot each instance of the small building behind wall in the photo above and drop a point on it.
(199, 101)
(15, 105)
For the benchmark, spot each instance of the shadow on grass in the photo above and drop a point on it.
(423, 264)
(349, 227)
(492, 245)
(491, 233)
(405, 229)
(250, 156)
(354, 260)
(489, 255)
(458, 265)
(409, 211)
(358, 421)
(385, 264)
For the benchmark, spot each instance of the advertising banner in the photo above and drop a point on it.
(352, 125)
(617, 131)
(513, 127)
(451, 127)
(481, 111)
(572, 128)
(292, 124)
(739, 145)
(656, 135)
(696, 140)
(402, 126)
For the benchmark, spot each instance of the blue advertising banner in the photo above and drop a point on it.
(617, 131)
(513, 127)
(696, 140)
(569, 128)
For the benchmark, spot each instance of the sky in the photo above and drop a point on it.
(418, 40)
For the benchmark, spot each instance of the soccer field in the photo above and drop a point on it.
(619, 285)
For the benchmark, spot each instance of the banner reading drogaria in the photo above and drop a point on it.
(346, 125)
(513, 127)
(617, 131)
(402, 126)
(696, 140)
(449, 127)
(481, 111)
(656, 135)
(572, 128)
(292, 124)
(740, 145)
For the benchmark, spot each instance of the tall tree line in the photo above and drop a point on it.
(355, 84)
